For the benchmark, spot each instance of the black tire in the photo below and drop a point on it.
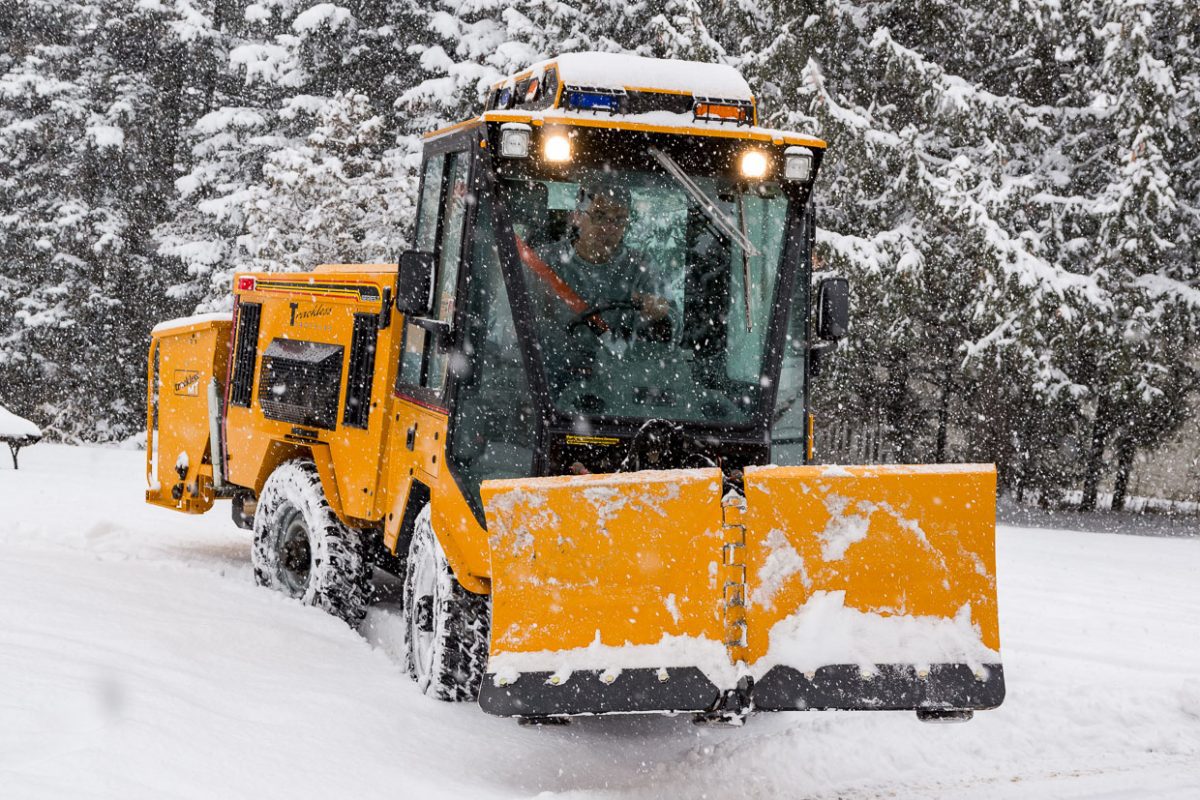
(302, 549)
(445, 626)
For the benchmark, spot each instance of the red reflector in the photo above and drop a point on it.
(246, 284)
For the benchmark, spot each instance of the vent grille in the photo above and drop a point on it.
(362, 371)
(243, 357)
(300, 382)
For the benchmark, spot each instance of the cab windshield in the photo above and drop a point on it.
(649, 298)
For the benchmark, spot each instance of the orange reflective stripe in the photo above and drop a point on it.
(560, 287)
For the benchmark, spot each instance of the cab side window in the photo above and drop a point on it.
(455, 205)
(445, 201)
(789, 427)
(412, 356)
(494, 428)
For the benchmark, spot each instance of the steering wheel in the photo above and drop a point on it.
(668, 437)
(583, 317)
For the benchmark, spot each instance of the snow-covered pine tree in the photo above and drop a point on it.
(85, 160)
(930, 202)
(248, 65)
(1135, 358)
(278, 66)
(335, 196)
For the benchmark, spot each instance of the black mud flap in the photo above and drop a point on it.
(631, 691)
(891, 687)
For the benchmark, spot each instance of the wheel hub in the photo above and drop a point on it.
(424, 612)
(421, 620)
(295, 551)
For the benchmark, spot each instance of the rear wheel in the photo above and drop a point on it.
(445, 626)
(302, 549)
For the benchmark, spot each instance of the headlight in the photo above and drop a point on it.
(557, 147)
(754, 164)
(797, 163)
(514, 140)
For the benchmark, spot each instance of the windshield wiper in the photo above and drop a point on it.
(710, 209)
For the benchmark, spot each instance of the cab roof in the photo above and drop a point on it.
(636, 73)
(620, 91)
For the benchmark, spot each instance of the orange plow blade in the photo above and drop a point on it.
(872, 587)
(602, 593)
(805, 588)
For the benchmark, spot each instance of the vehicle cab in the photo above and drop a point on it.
(611, 271)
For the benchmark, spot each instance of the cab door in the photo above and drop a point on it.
(417, 445)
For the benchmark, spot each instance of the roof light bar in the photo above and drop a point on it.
(715, 109)
(589, 98)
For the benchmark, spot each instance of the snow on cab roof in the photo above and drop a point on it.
(623, 91)
(637, 73)
(614, 90)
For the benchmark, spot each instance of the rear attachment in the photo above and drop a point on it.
(187, 370)
(822, 587)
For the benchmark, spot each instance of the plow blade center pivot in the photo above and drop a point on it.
(819, 587)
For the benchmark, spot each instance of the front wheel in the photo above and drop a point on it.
(302, 549)
(445, 626)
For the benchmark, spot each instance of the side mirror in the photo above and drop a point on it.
(414, 284)
(833, 309)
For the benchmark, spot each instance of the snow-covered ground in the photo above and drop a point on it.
(138, 660)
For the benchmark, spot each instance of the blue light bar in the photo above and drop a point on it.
(584, 100)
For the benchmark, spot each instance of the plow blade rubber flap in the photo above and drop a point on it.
(603, 594)
(872, 587)
(829, 587)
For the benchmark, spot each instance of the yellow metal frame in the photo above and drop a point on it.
(538, 119)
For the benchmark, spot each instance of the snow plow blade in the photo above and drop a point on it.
(872, 587)
(820, 587)
(603, 592)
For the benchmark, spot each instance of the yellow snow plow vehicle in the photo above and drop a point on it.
(574, 421)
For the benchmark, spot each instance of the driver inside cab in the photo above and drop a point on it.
(594, 261)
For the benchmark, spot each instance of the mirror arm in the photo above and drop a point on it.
(434, 326)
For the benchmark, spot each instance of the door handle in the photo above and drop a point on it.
(410, 438)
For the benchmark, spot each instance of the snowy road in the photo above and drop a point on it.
(137, 660)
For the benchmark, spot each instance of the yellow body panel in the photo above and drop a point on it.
(914, 541)
(462, 537)
(614, 559)
(319, 307)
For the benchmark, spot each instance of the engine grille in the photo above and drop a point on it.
(300, 382)
(242, 385)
